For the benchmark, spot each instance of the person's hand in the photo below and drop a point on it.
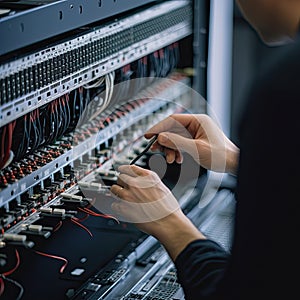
(147, 199)
(199, 136)
(143, 199)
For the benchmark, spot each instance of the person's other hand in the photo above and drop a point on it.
(199, 136)
(143, 199)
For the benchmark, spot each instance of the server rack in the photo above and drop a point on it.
(64, 130)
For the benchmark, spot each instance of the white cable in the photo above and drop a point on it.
(109, 87)
(96, 84)
(11, 156)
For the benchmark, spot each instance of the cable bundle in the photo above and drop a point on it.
(6, 138)
(49, 123)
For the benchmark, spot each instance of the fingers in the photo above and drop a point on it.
(170, 155)
(125, 180)
(164, 125)
(132, 176)
(173, 123)
(117, 190)
(178, 157)
(174, 141)
(164, 140)
(175, 144)
(132, 170)
(122, 182)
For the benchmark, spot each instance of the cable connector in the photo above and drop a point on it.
(59, 211)
(46, 210)
(71, 196)
(12, 237)
(91, 185)
(35, 228)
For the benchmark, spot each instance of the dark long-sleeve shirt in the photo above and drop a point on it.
(265, 252)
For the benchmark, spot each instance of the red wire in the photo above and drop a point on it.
(2, 161)
(56, 257)
(82, 226)
(10, 132)
(88, 211)
(91, 202)
(58, 226)
(14, 124)
(82, 219)
(16, 266)
(92, 213)
(2, 285)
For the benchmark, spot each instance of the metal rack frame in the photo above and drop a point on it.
(37, 24)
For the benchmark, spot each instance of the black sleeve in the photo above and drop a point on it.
(264, 258)
(199, 268)
(267, 217)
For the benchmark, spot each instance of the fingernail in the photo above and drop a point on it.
(169, 160)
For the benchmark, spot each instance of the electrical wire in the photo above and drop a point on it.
(57, 226)
(92, 213)
(2, 162)
(7, 139)
(82, 226)
(109, 88)
(73, 113)
(15, 283)
(2, 285)
(62, 117)
(61, 270)
(7, 273)
(96, 83)
(22, 146)
(83, 218)
(67, 101)
(56, 123)
(81, 102)
(39, 128)
(34, 133)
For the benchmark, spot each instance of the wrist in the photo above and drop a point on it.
(175, 232)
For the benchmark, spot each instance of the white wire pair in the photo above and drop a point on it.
(109, 89)
(96, 84)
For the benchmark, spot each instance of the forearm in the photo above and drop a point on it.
(175, 232)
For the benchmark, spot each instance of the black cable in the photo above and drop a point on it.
(166, 63)
(24, 138)
(40, 129)
(56, 121)
(44, 118)
(61, 118)
(73, 110)
(176, 53)
(2, 151)
(17, 284)
(68, 113)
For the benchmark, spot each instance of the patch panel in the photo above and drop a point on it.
(168, 89)
(50, 187)
(36, 79)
